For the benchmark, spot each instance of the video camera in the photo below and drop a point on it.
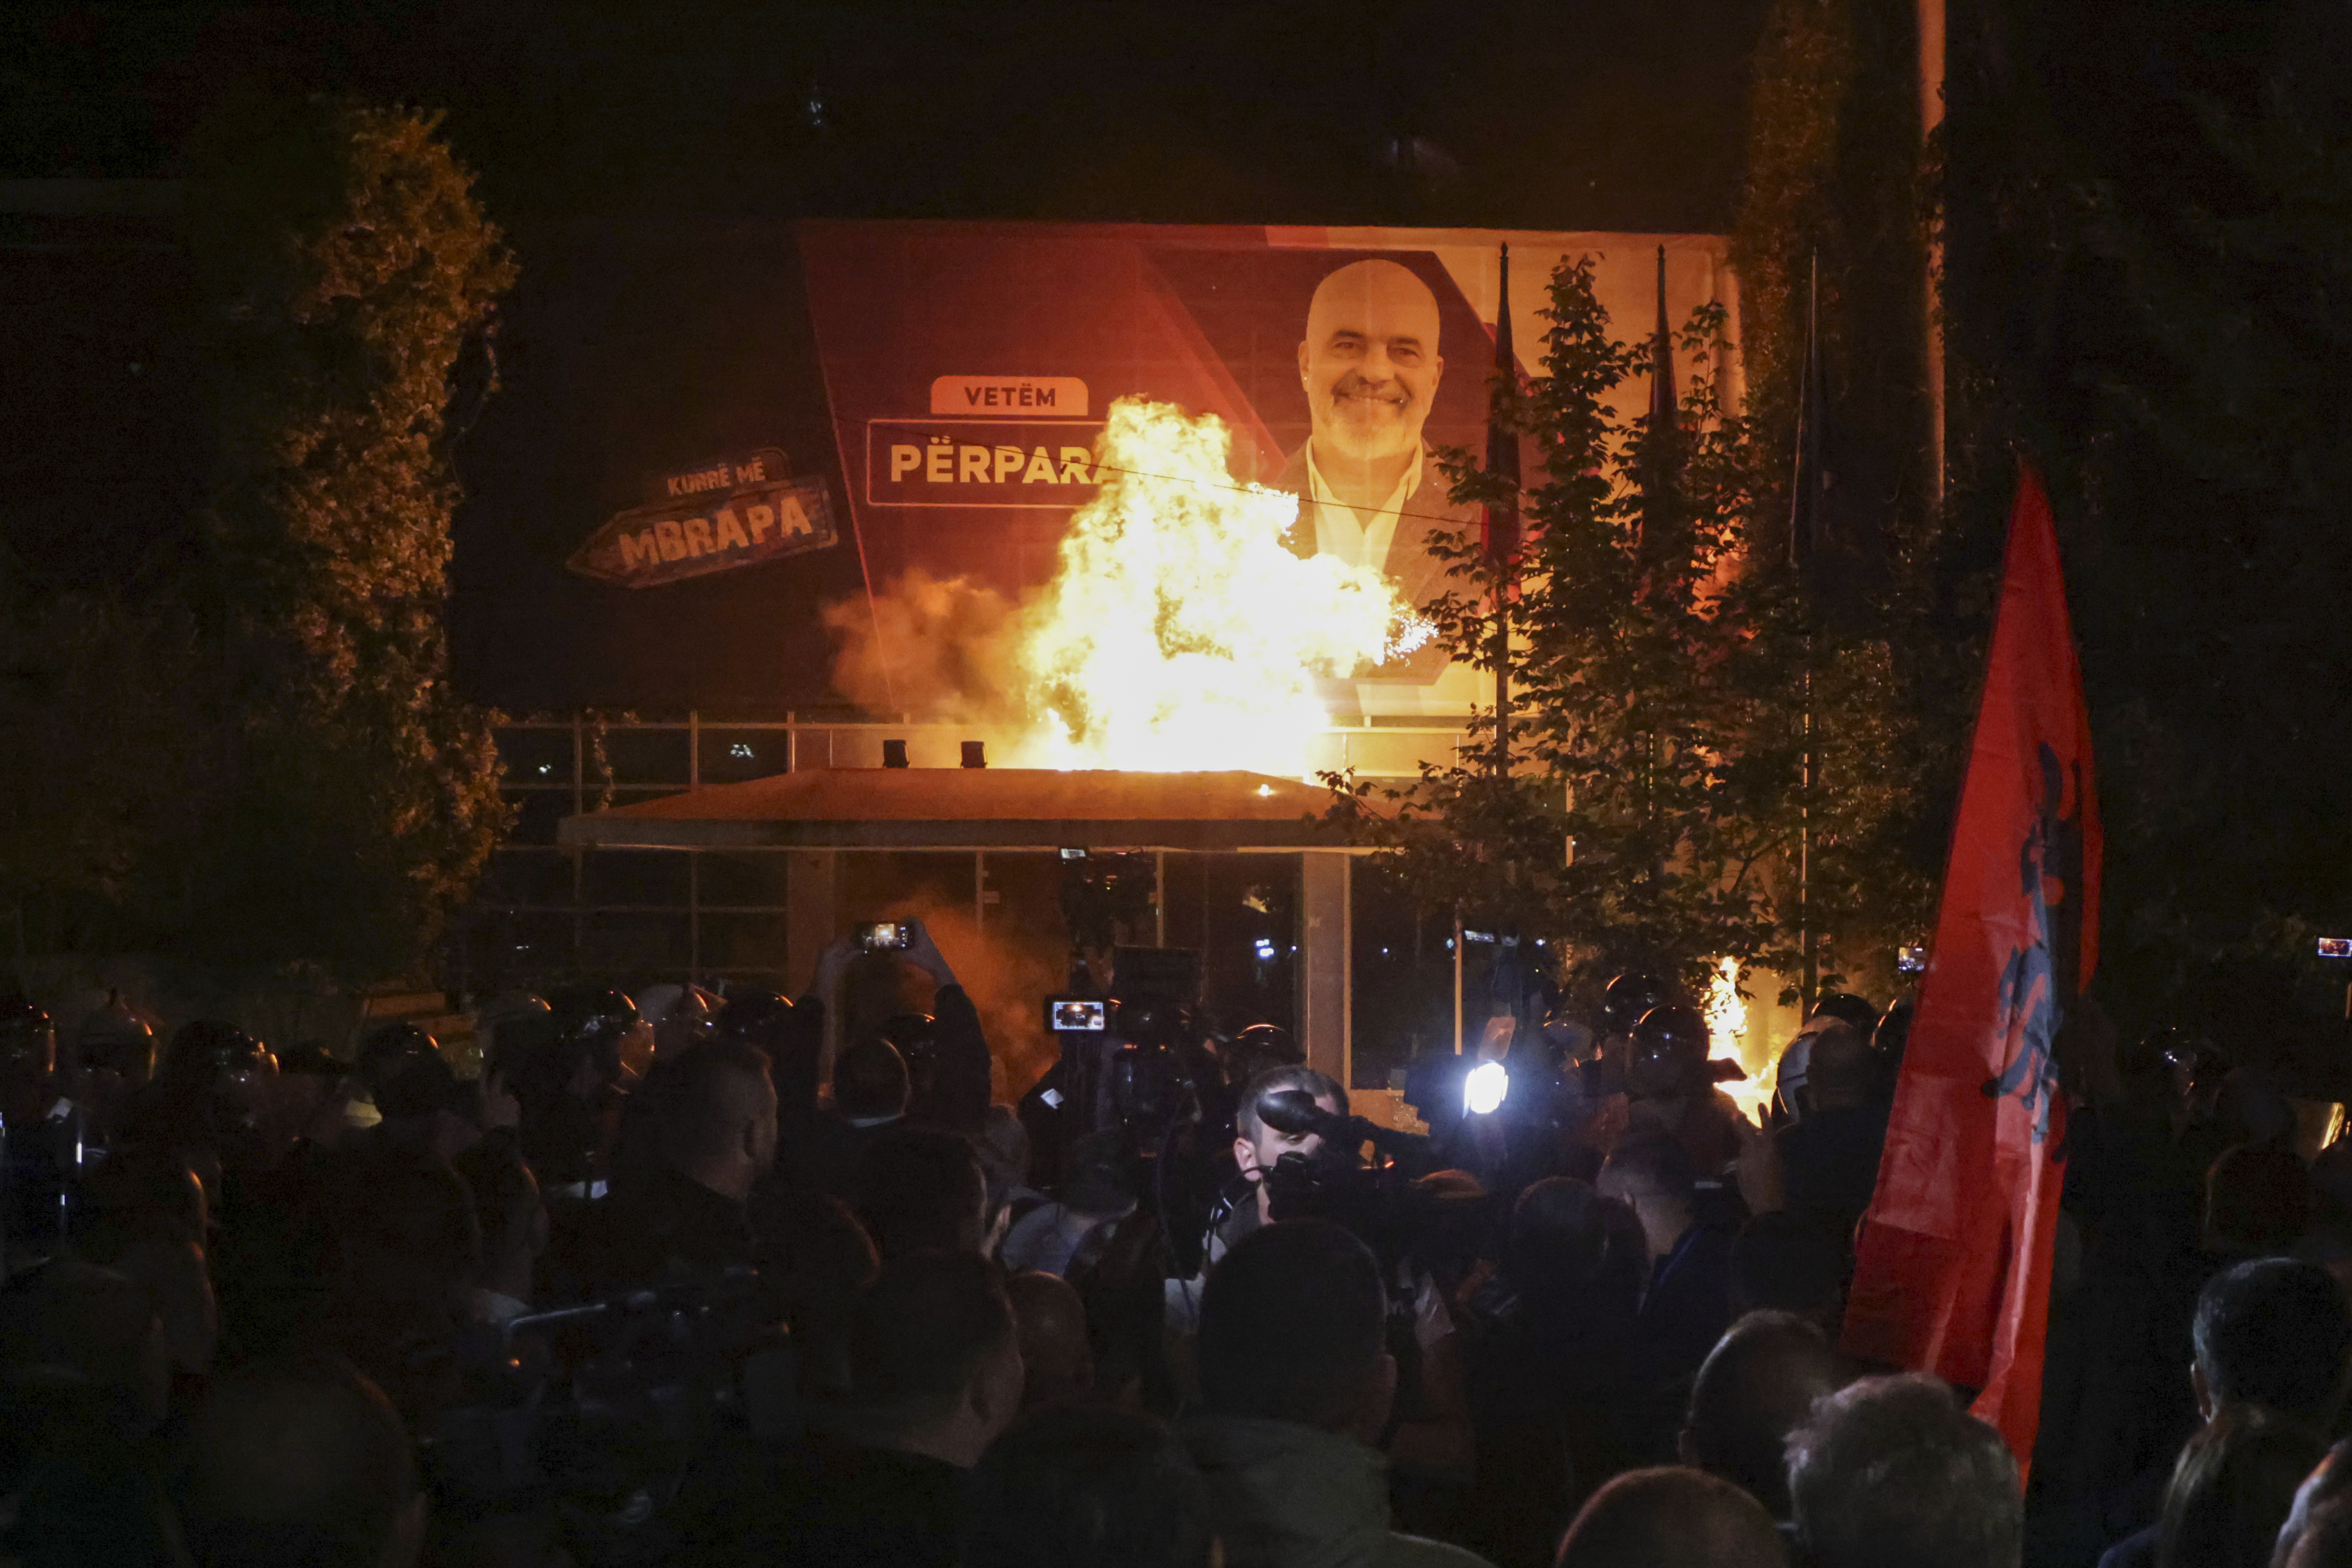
(1382, 1203)
(1127, 1060)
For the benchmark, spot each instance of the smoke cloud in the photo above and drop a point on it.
(936, 649)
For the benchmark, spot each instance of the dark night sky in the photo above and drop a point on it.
(645, 161)
(1582, 114)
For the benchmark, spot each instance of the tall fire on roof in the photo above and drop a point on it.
(1181, 633)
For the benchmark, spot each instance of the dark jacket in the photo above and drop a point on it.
(1687, 1306)
(673, 1227)
(1830, 1162)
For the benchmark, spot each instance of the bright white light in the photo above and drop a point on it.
(1265, 948)
(1482, 1091)
(1266, 789)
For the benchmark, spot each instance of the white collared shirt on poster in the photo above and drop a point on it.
(1357, 537)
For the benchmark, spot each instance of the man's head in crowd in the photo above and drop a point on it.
(935, 1357)
(1842, 1073)
(1756, 1386)
(718, 1115)
(2232, 1488)
(869, 1080)
(299, 1462)
(1671, 1518)
(1055, 1352)
(919, 1188)
(1790, 1263)
(1650, 1174)
(1891, 1470)
(1086, 1488)
(2325, 1542)
(1569, 1249)
(2275, 1332)
(1292, 1324)
(2329, 1480)
(1257, 1144)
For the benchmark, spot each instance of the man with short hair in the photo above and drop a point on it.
(1892, 1470)
(1053, 1346)
(870, 1088)
(1688, 1302)
(2273, 1332)
(1671, 1518)
(1257, 1144)
(935, 1375)
(1437, 1442)
(1299, 1385)
(715, 1131)
(1758, 1382)
(300, 1461)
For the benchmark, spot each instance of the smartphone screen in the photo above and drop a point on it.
(1069, 1014)
(2335, 947)
(884, 936)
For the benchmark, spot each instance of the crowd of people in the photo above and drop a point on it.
(702, 1280)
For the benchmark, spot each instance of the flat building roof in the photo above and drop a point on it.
(974, 808)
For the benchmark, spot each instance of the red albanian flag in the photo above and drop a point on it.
(1952, 1271)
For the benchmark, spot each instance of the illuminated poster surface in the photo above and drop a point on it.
(969, 367)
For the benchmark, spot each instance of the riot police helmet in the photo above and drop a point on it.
(1670, 1046)
(114, 1039)
(1847, 1007)
(1628, 999)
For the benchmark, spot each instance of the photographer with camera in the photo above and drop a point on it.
(1297, 1154)
(1246, 1202)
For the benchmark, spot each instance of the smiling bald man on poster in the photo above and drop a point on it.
(1370, 491)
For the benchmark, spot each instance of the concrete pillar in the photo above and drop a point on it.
(809, 924)
(1327, 961)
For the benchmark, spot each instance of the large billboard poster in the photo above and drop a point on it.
(969, 368)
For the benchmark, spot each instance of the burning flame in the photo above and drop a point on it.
(1726, 1028)
(1182, 632)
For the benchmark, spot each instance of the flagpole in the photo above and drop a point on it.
(1799, 557)
(1504, 539)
